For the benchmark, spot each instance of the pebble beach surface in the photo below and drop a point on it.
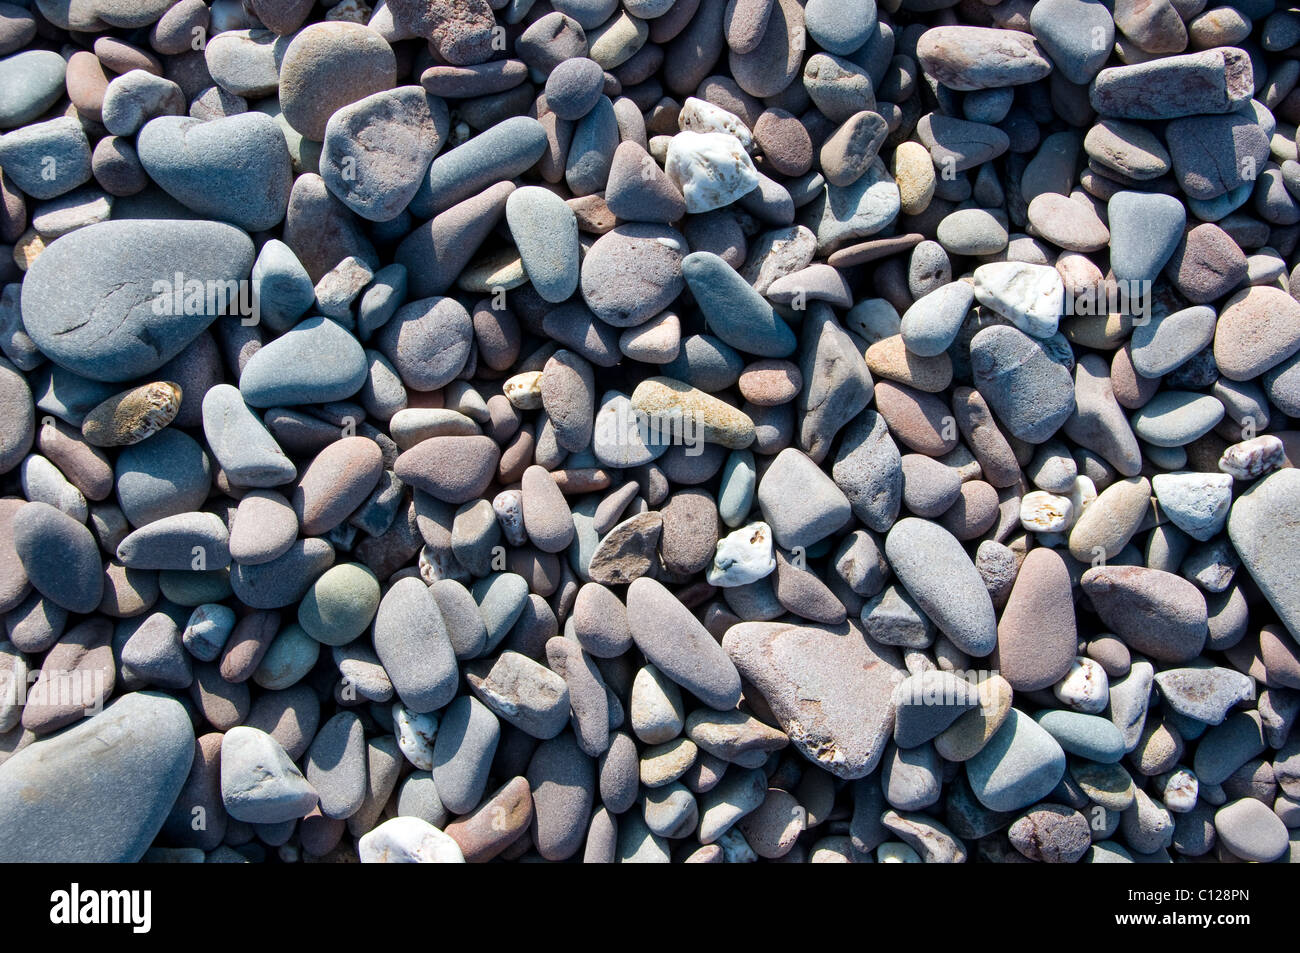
(645, 431)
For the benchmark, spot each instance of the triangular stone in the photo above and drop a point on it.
(639, 191)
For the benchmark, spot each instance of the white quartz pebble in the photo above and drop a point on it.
(743, 556)
(408, 840)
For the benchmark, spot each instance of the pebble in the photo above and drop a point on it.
(1251, 831)
(972, 729)
(838, 87)
(340, 604)
(931, 324)
(468, 735)
(378, 184)
(497, 824)
(328, 66)
(1029, 296)
(136, 97)
(1145, 228)
(930, 562)
(784, 141)
(412, 644)
(1171, 610)
(841, 724)
(235, 169)
(498, 154)
(109, 813)
(1260, 527)
(711, 169)
(126, 255)
(1051, 833)
(336, 765)
(968, 58)
(627, 551)
(1210, 81)
(1176, 418)
(246, 452)
(1020, 765)
(822, 507)
(1203, 694)
(1104, 527)
(1257, 329)
(839, 216)
(773, 64)
(574, 87)
(452, 469)
(133, 415)
(1085, 735)
(1084, 687)
(1207, 264)
(632, 272)
(671, 403)
(428, 342)
(1197, 503)
(517, 689)
(1037, 632)
(408, 840)
(656, 713)
(679, 646)
(1169, 341)
(736, 313)
(1030, 392)
(928, 703)
(259, 783)
(335, 483)
(1068, 223)
(33, 82)
(562, 781)
(59, 556)
(546, 233)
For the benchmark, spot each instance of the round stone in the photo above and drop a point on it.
(328, 66)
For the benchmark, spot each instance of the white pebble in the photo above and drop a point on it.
(415, 734)
(711, 168)
(1082, 496)
(1085, 687)
(896, 852)
(743, 556)
(1179, 789)
(524, 390)
(698, 115)
(1254, 457)
(1197, 503)
(408, 840)
(438, 564)
(1043, 512)
(1029, 296)
(509, 508)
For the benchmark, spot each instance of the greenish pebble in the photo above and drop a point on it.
(340, 604)
(291, 656)
(585, 539)
(1175, 418)
(736, 493)
(1088, 736)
